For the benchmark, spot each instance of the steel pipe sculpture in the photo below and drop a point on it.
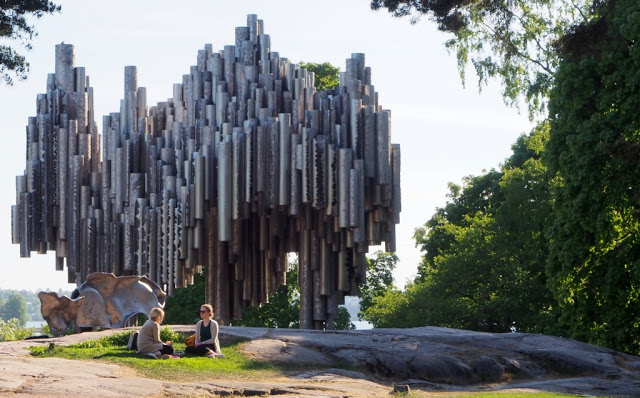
(246, 163)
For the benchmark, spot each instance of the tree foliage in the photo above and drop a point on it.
(510, 40)
(484, 266)
(594, 264)
(567, 200)
(14, 307)
(182, 308)
(14, 26)
(378, 280)
(283, 308)
(327, 76)
(12, 330)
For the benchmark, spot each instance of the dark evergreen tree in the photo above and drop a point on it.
(15, 26)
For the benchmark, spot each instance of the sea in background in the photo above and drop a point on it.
(362, 325)
(35, 324)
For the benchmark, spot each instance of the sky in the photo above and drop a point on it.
(446, 131)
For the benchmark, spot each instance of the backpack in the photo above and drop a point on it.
(133, 341)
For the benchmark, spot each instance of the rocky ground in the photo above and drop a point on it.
(431, 360)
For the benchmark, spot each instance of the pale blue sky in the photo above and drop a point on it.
(446, 132)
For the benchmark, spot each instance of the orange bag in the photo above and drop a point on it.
(190, 341)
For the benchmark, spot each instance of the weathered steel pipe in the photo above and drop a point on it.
(244, 164)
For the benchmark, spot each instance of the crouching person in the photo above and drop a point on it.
(206, 343)
(149, 336)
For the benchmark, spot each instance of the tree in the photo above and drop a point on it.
(594, 264)
(481, 194)
(506, 39)
(15, 307)
(283, 308)
(327, 76)
(378, 280)
(393, 309)
(14, 26)
(182, 308)
(343, 320)
(484, 266)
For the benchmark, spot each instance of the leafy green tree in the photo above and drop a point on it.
(379, 278)
(343, 320)
(484, 267)
(594, 265)
(15, 26)
(393, 309)
(283, 308)
(481, 194)
(15, 307)
(327, 76)
(182, 308)
(508, 40)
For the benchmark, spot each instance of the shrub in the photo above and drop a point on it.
(11, 330)
(166, 333)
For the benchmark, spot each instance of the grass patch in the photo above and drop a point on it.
(113, 349)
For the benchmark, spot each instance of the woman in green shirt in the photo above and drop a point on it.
(206, 343)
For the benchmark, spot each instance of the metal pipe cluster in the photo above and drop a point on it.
(245, 164)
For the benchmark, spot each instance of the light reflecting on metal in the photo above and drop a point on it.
(246, 163)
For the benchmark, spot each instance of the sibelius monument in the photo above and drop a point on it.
(246, 163)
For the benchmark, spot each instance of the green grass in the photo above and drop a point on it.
(189, 368)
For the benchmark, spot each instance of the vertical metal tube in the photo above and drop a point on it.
(284, 170)
(238, 174)
(344, 190)
(369, 138)
(64, 67)
(383, 129)
(225, 157)
(305, 281)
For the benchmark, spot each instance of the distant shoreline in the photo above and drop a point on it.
(36, 325)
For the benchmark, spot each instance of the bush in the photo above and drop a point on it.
(118, 339)
(166, 333)
(182, 308)
(11, 330)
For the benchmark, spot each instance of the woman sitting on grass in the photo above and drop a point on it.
(207, 343)
(149, 336)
